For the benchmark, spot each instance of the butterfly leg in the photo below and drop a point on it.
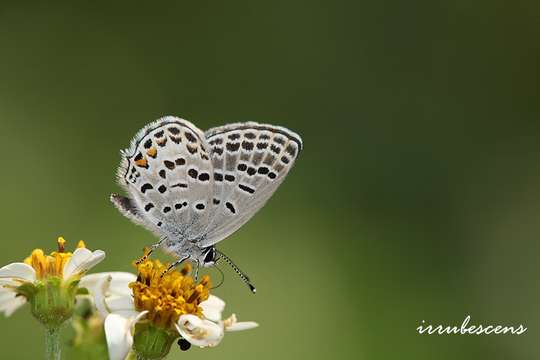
(149, 251)
(196, 274)
(174, 264)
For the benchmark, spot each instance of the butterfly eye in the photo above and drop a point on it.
(184, 344)
(210, 255)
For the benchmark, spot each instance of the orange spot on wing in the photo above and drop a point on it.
(142, 163)
(152, 152)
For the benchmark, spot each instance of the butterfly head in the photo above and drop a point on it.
(208, 256)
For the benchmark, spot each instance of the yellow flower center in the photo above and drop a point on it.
(167, 294)
(53, 264)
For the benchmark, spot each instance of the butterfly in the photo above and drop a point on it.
(193, 188)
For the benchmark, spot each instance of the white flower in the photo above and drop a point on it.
(114, 301)
(40, 266)
(210, 330)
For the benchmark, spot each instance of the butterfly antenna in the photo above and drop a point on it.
(240, 273)
(222, 278)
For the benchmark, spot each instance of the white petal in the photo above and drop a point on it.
(9, 301)
(105, 300)
(244, 325)
(6, 294)
(81, 261)
(17, 271)
(117, 304)
(212, 308)
(118, 334)
(118, 284)
(199, 332)
(99, 294)
(232, 324)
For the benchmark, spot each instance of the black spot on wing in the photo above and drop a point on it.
(180, 161)
(279, 140)
(275, 149)
(246, 188)
(204, 176)
(199, 206)
(174, 130)
(230, 207)
(148, 206)
(232, 147)
(180, 205)
(168, 164)
(191, 138)
(247, 145)
(193, 173)
(159, 134)
(146, 187)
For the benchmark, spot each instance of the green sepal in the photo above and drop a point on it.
(152, 343)
(28, 290)
(53, 301)
(82, 291)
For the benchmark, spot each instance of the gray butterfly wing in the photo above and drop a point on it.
(169, 177)
(250, 161)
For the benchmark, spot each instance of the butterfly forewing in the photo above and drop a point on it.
(250, 161)
(169, 176)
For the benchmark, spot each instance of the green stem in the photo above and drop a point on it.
(52, 344)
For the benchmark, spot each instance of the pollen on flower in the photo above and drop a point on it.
(167, 295)
(49, 265)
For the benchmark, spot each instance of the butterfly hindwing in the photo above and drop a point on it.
(250, 161)
(168, 174)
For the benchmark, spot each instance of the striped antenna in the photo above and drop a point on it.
(240, 273)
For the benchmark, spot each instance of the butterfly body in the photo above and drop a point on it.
(194, 188)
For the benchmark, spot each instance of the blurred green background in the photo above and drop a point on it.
(417, 196)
